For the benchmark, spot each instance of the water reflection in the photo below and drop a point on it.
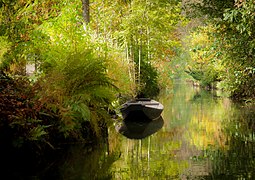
(139, 128)
(204, 136)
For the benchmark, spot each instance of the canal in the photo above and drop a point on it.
(203, 135)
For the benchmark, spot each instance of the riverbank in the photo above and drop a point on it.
(29, 126)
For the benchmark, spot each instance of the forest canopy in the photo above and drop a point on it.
(75, 59)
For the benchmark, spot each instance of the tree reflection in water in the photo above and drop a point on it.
(204, 137)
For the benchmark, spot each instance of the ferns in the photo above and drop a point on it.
(79, 85)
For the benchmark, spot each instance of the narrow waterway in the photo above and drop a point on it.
(201, 135)
(204, 136)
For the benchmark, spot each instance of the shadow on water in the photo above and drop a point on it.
(139, 127)
(73, 162)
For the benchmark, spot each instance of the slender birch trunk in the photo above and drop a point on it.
(85, 12)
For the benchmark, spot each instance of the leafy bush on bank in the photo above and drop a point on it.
(27, 120)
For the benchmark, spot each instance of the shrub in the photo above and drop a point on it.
(79, 87)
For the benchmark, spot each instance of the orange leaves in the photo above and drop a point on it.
(16, 99)
(239, 3)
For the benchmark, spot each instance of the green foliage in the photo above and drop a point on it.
(67, 36)
(79, 85)
(234, 34)
(211, 8)
(240, 83)
(58, 113)
(239, 47)
(42, 32)
(147, 33)
(80, 69)
(4, 46)
(74, 66)
(18, 20)
(205, 63)
(149, 78)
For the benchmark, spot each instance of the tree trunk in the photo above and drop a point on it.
(85, 9)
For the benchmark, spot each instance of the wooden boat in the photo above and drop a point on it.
(150, 108)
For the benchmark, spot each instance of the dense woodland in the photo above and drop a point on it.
(89, 56)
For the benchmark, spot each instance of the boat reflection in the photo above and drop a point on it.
(139, 127)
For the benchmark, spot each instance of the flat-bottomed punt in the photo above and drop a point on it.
(150, 108)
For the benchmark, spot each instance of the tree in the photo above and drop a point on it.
(233, 21)
(19, 23)
(147, 32)
(85, 8)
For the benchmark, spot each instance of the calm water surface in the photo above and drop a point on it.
(202, 136)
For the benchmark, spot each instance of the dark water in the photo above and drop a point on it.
(202, 136)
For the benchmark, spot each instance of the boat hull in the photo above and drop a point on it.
(150, 108)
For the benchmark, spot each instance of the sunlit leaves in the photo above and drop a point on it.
(18, 20)
(81, 89)
(153, 24)
(205, 64)
(241, 17)
(147, 33)
(234, 24)
(76, 65)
